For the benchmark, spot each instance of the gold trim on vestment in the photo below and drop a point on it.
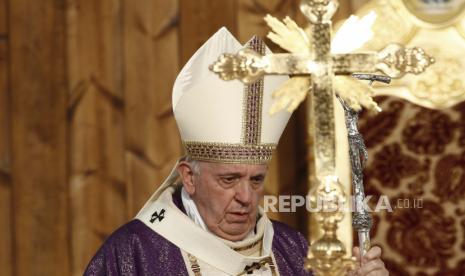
(195, 267)
(246, 247)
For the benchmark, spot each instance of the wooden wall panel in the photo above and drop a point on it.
(97, 195)
(251, 13)
(202, 18)
(3, 19)
(151, 65)
(95, 112)
(6, 234)
(356, 4)
(143, 180)
(345, 10)
(6, 231)
(39, 144)
(94, 36)
(95, 65)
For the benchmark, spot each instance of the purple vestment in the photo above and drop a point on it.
(135, 249)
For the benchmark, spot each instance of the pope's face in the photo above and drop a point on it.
(227, 197)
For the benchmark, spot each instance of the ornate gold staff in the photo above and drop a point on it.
(314, 68)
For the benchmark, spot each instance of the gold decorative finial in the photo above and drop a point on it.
(396, 60)
(246, 66)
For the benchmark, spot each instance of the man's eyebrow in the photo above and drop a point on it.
(230, 174)
(260, 175)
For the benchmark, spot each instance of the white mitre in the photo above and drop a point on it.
(226, 121)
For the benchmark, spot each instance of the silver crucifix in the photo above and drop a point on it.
(361, 221)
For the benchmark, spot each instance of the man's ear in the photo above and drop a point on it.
(186, 172)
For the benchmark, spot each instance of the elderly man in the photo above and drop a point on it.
(205, 219)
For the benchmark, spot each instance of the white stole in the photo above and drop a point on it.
(162, 216)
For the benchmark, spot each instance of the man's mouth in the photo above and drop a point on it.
(239, 216)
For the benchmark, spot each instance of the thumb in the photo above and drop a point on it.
(356, 253)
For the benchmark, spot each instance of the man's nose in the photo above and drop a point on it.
(243, 193)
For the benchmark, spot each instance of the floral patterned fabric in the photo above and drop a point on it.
(417, 159)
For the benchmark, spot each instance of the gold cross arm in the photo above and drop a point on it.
(248, 66)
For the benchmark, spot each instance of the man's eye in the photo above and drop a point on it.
(257, 182)
(228, 180)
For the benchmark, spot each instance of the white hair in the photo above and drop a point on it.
(195, 164)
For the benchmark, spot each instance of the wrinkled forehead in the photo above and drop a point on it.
(225, 168)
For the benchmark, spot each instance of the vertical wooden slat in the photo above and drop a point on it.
(6, 234)
(202, 18)
(3, 20)
(151, 65)
(94, 41)
(250, 18)
(39, 143)
(251, 13)
(142, 181)
(6, 231)
(95, 113)
(97, 197)
(356, 4)
(345, 10)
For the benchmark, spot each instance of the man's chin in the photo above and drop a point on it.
(235, 232)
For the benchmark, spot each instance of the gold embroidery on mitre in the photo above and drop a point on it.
(253, 101)
(230, 153)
